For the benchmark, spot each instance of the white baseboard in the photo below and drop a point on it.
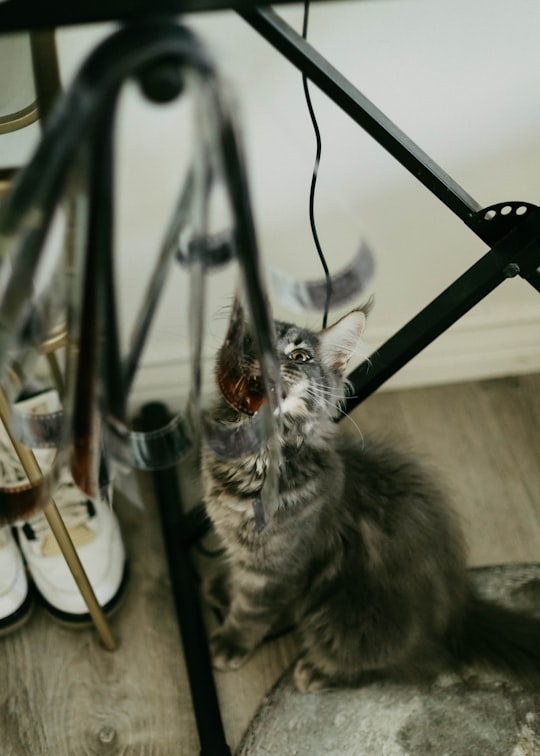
(488, 344)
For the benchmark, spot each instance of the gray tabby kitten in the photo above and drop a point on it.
(364, 554)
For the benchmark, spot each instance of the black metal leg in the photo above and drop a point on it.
(519, 252)
(186, 599)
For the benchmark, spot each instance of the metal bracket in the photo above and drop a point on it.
(492, 223)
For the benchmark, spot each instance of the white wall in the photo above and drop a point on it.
(460, 78)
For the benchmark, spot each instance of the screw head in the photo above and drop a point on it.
(511, 270)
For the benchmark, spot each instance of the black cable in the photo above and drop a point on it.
(314, 179)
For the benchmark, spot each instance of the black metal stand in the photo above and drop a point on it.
(186, 598)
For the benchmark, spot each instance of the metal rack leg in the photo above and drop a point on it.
(186, 599)
(518, 251)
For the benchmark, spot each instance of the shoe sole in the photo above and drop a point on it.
(84, 621)
(19, 618)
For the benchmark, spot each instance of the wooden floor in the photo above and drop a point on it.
(62, 695)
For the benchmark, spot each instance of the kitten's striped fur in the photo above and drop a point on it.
(364, 554)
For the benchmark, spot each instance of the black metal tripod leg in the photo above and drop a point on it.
(186, 599)
(518, 251)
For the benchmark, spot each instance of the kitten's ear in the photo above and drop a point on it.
(339, 341)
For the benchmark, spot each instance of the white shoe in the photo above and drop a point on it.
(95, 533)
(16, 600)
(92, 526)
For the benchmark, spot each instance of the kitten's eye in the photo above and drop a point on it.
(300, 355)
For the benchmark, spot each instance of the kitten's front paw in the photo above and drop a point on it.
(227, 652)
(216, 591)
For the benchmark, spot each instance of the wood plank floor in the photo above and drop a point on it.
(61, 694)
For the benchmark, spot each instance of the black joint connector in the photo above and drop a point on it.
(162, 81)
(511, 270)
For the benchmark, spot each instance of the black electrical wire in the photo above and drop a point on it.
(314, 179)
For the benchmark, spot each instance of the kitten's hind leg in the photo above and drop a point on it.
(309, 678)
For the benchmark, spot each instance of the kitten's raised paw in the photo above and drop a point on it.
(227, 654)
(308, 679)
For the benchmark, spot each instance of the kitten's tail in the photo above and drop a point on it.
(499, 638)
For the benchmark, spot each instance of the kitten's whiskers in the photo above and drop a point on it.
(354, 423)
(324, 396)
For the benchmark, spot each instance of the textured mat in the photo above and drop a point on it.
(482, 716)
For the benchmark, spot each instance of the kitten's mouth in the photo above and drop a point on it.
(237, 371)
(242, 390)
